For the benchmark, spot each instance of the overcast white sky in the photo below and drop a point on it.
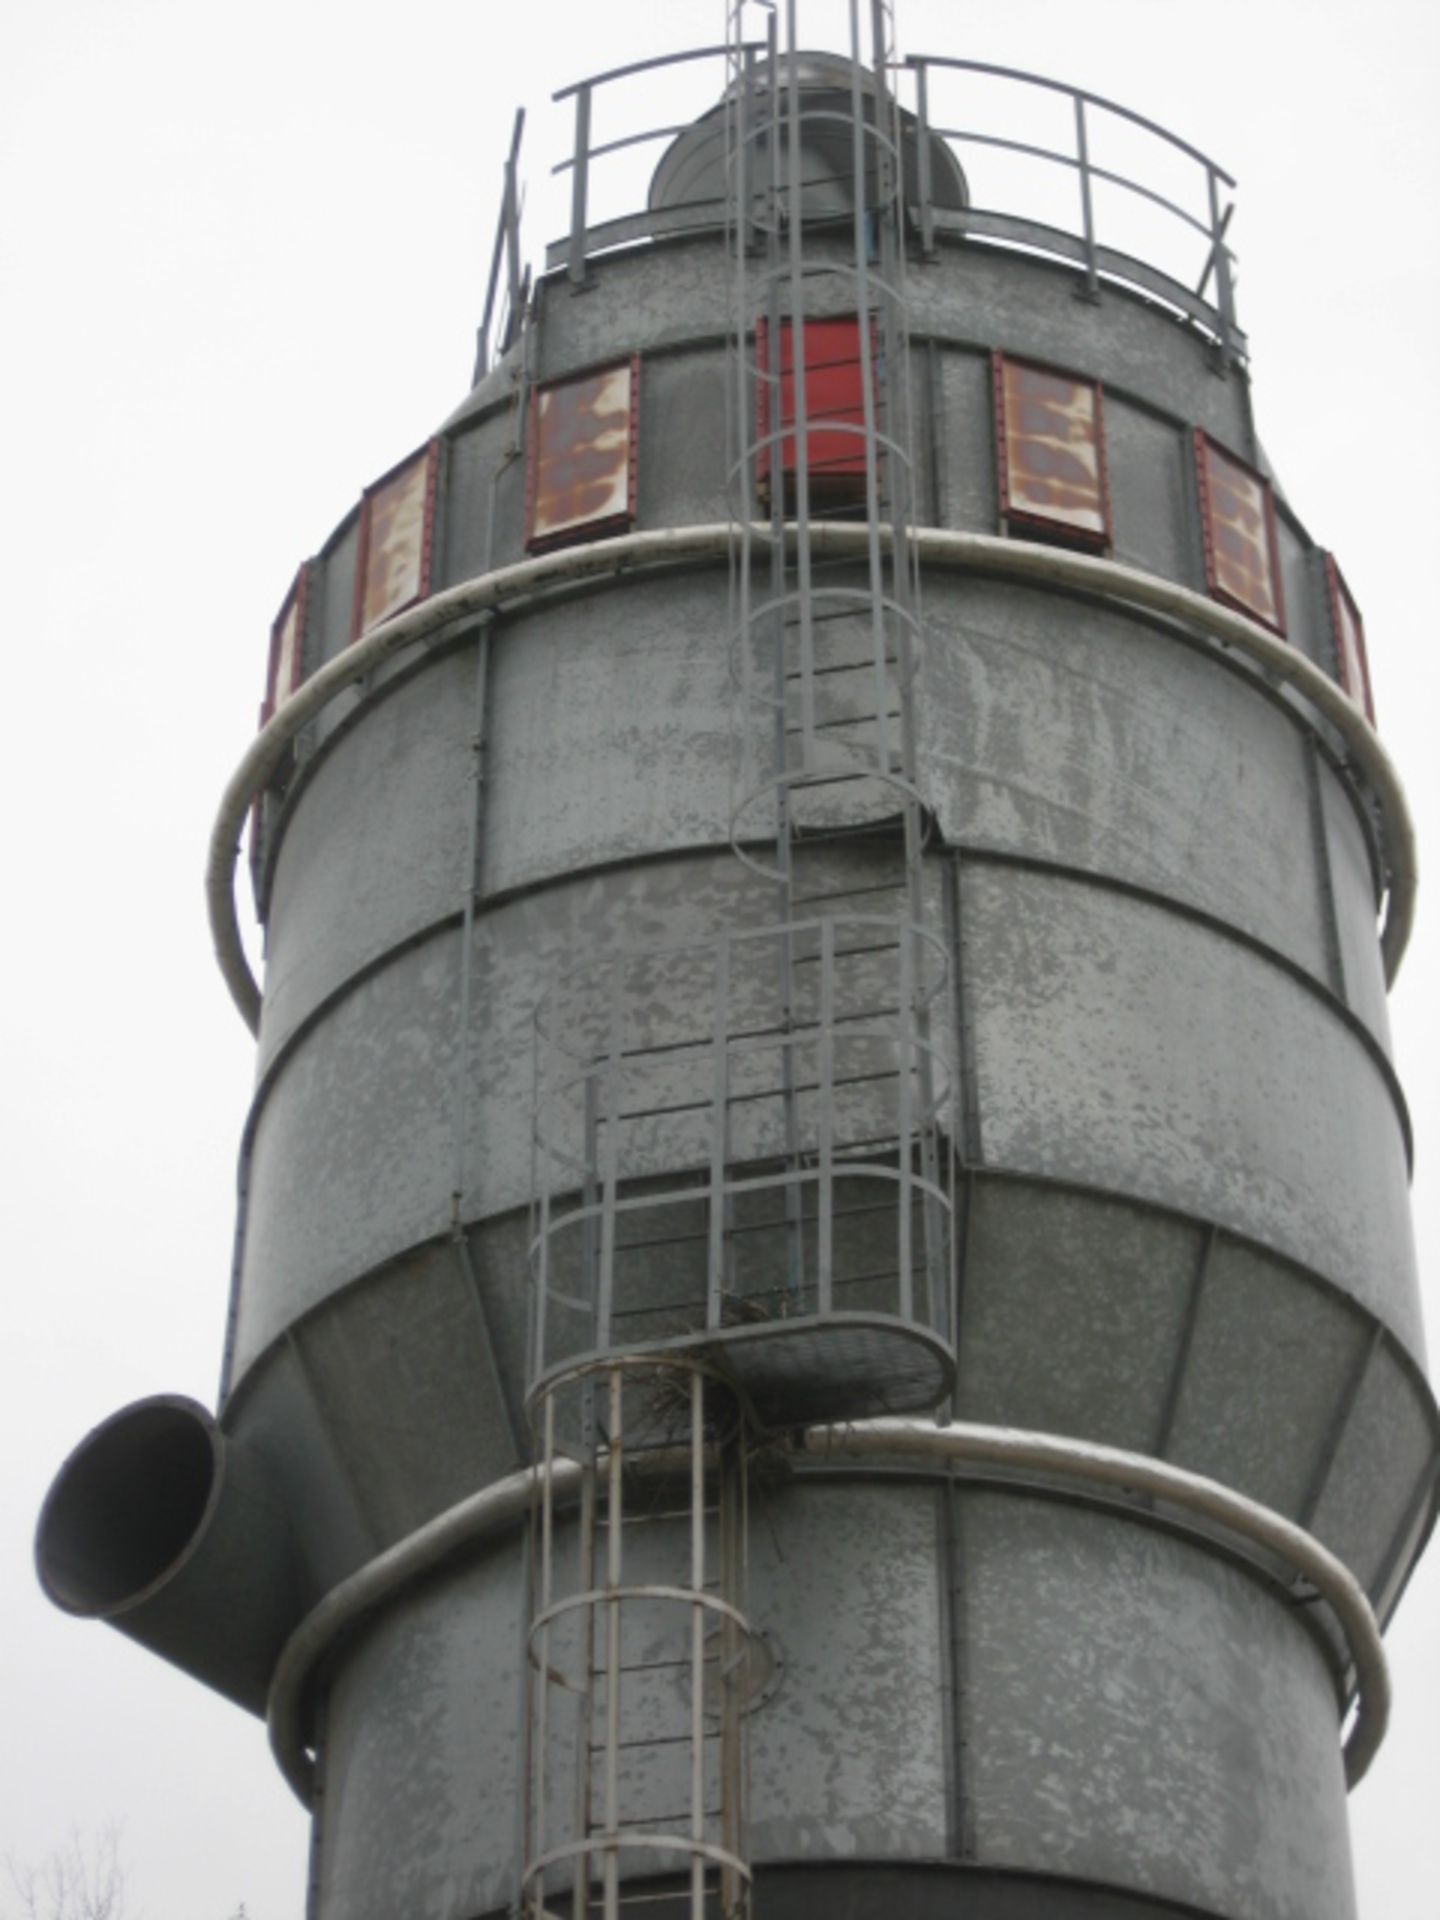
(242, 252)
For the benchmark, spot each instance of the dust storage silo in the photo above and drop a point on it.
(823, 1316)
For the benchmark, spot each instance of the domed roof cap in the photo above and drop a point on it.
(692, 168)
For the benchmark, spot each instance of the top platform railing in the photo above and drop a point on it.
(1202, 177)
(1109, 193)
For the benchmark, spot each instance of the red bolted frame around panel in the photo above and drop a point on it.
(545, 527)
(1027, 519)
(834, 399)
(430, 454)
(295, 600)
(1209, 453)
(1348, 629)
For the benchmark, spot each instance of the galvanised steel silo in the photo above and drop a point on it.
(823, 1314)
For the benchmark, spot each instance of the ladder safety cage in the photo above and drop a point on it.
(736, 1143)
(639, 1672)
(742, 1198)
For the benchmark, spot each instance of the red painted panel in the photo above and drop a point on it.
(834, 402)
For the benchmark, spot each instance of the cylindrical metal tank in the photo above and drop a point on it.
(1071, 1329)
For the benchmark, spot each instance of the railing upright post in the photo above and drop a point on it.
(510, 216)
(580, 187)
(1224, 282)
(744, 192)
(924, 185)
(1087, 205)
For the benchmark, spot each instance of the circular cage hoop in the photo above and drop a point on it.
(801, 781)
(869, 129)
(865, 601)
(763, 533)
(682, 1360)
(882, 294)
(811, 1368)
(616, 1843)
(588, 1599)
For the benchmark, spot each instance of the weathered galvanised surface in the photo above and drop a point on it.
(1027, 1069)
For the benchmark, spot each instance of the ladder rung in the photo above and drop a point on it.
(658, 1513)
(648, 1899)
(824, 616)
(846, 953)
(651, 1740)
(847, 893)
(844, 720)
(597, 1834)
(644, 1666)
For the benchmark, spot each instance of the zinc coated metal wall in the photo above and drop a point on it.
(973, 1677)
(1186, 1226)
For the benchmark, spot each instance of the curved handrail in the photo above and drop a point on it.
(584, 238)
(646, 66)
(1096, 259)
(1086, 1464)
(526, 581)
(1074, 93)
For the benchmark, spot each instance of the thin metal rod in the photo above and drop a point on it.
(1180, 1365)
(924, 185)
(1216, 235)
(800, 406)
(1087, 204)
(865, 347)
(585, 1708)
(471, 889)
(1339, 1421)
(825, 1120)
(903, 1127)
(506, 241)
(614, 1575)
(510, 213)
(719, 1137)
(610, 1172)
(697, 1644)
(1224, 277)
(580, 187)
(547, 1563)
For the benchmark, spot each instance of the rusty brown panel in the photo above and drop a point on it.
(1349, 640)
(581, 478)
(1241, 559)
(1052, 454)
(394, 541)
(287, 640)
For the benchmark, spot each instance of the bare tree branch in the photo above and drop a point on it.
(80, 1880)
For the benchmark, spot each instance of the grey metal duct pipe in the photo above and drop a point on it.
(160, 1526)
(518, 585)
(1082, 1463)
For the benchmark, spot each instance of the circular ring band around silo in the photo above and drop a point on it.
(499, 1508)
(661, 548)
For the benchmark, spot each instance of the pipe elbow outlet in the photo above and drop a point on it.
(162, 1526)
